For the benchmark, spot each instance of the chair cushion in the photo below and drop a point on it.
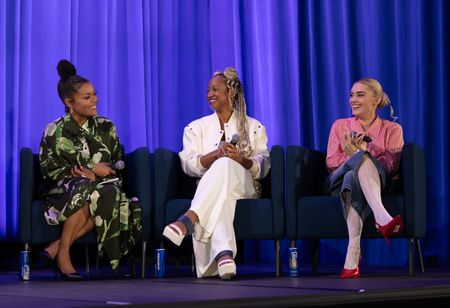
(175, 208)
(250, 216)
(331, 222)
(42, 233)
(253, 219)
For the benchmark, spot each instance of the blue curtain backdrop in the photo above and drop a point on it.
(151, 61)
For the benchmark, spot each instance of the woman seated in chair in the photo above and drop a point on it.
(82, 190)
(363, 155)
(228, 150)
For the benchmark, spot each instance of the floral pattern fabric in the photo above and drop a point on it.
(64, 145)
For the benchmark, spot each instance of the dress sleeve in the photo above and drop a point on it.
(192, 151)
(117, 152)
(390, 155)
(335, 154)
(53, 165)
(261, 157)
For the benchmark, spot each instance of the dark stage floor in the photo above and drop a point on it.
(255, 286)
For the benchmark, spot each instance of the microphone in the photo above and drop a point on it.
(235, 139)
(118, 165)
(365, 138)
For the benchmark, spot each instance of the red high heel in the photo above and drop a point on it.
(392, 227)
(351, 273)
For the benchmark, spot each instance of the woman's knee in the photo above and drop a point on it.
(367, 160)
(225, 162)
(107, 194)
(107, 190)
(224, 165)
(349, 178)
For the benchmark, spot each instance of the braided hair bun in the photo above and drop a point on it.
(66, 69)
(233, 82)
(230, 72)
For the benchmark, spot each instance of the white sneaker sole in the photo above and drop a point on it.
(173, 236)
(227, 269)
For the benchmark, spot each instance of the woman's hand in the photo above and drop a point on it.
(231, 151)
(103, 169)
(348, 144)
(228, 150)
(352, 143)
(80, 171)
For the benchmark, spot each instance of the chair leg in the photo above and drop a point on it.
(97, 259)
(144, 252)
(177, 264)
(132, 264)
(411, 255)
(278, 268)
(86, 250)
(315, 260)
(419, 255)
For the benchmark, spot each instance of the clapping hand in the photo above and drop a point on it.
(228, 150)
(351, 143)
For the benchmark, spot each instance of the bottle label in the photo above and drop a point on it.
(293, 264)
(25, 272)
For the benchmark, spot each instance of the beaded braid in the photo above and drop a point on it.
(236, 99)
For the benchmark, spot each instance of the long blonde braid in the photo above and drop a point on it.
(237, 101)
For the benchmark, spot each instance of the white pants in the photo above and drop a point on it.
(214, 202)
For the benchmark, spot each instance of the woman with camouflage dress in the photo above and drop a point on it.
(76, 155)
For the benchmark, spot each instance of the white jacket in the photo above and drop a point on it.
(203, 136)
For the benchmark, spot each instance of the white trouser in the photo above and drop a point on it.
(214, 203)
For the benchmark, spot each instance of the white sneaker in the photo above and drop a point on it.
(227, 269)
(176, 236)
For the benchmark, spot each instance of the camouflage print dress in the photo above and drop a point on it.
(66, 144)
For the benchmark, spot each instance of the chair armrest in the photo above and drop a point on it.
(414, 188)
(167, 166)
(26, 193)
(138, 182)
(277, 189)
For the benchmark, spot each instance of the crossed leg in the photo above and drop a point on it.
(354, 227)
(369, 180)
(191, 215)
(77, 225)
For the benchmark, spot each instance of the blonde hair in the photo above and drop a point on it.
(237, 101)
(377, 90)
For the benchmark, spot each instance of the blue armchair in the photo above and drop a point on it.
(34, 229)
(312, 214)
(138, 181)
(254, 218)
